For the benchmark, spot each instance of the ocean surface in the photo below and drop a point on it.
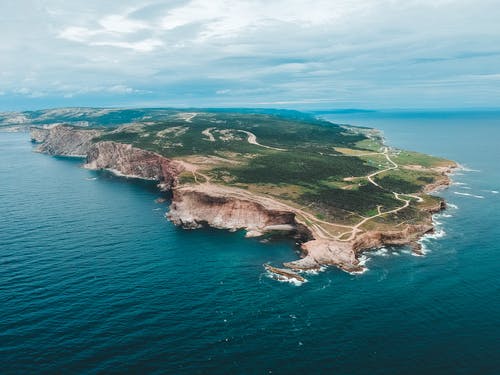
(94, 279)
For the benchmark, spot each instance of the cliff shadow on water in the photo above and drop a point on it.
(148, 185)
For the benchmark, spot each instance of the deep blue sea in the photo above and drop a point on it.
(94, 279)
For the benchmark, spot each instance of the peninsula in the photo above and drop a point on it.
(337, 189)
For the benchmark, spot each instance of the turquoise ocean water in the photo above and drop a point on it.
(94, 279)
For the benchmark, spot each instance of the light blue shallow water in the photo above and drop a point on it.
(94, 279)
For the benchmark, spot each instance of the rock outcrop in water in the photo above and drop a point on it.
(63, 140)
(344, 254)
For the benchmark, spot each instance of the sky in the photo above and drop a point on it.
(303, 54)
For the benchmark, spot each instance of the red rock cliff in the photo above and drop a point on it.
(130, 161)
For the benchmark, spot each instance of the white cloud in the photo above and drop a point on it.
(224, 18)
(146, 45)
(121, 24)
(30, 93)
(281, 52)
(113, 31)
(77, 34)
(71, 91)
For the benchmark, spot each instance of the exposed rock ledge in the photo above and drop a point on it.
(63, 140)
(125, 160)
(343, 254)
(195, 206)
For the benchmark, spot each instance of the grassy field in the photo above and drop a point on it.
(415, 158)
(298, 159)
(291, 156)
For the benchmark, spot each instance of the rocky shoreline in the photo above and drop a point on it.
(216, 206)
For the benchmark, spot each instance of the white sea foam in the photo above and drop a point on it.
(91, 178)
(120, 174)
(283, 279)
(314, 271)
(380, 252)
(466, 187)
(406, 250)
(363, 259)
(459, 183)
(360, 272)
(438, 233)
(424, 241)
(423, 251)
(466, 169)
(451, 205)
(490, 191)
(469, 195)
(424, 245)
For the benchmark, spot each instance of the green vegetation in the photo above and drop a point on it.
(405, 181)
(341, 204)
(299, 167)
(295, 159)
(308, 163)
(418, 159)
(304, 135)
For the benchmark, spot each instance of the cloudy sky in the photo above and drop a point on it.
(272, 53)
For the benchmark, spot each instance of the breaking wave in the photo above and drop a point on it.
(314, 271)
(469, 195)
(363, 259)
(283, 279)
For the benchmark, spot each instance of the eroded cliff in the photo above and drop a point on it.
(129, 161)
(63, 140)
(344, 254)
(195, 206)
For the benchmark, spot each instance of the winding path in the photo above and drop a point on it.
(355, 228)
(252, 139)
(207, 133)
(394, 166)
(308, 219)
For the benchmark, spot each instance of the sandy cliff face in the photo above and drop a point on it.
(209, 205)
(129, 161)
(63, 140)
